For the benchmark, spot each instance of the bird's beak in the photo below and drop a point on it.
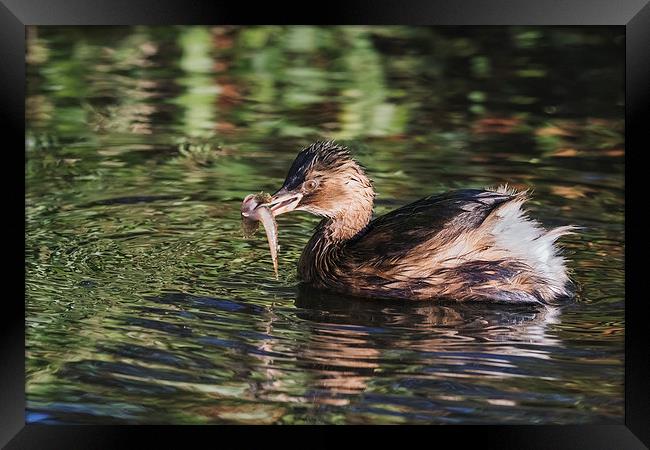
(284, 201)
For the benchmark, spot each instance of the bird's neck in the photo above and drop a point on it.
(349, 221)
(320, 258)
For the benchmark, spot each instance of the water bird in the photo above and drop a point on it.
(467, 244)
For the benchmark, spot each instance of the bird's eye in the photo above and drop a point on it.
(310, 185)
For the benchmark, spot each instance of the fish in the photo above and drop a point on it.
(253, 211)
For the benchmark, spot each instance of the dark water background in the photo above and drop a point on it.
(146, 305)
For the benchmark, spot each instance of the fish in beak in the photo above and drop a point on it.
(255, 209)
(265, 208)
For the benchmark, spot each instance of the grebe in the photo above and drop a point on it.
(468, 244)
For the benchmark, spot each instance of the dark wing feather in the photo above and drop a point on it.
(394, 233)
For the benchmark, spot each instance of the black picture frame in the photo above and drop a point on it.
(633, 15)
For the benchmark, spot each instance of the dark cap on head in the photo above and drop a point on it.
(322, 155)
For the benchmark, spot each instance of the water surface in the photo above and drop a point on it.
(145, 304)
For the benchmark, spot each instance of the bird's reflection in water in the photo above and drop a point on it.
(351, 337)
(324, 352)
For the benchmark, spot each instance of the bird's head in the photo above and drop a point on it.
(323, 180)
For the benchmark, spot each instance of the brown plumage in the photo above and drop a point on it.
(468, 244)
